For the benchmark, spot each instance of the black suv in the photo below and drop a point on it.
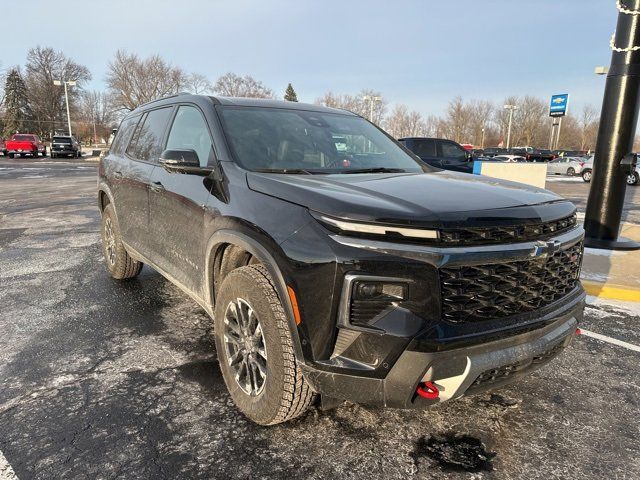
(440, 153)
(334, 263)
(65, 145)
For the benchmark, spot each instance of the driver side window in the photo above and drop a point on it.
(190, 132)
(453, 151)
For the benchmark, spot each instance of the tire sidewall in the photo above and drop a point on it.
(586, 176)
(264, 407)
(109, 213)
(571, 172)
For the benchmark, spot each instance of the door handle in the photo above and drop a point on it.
(117, 174)
(157, 187)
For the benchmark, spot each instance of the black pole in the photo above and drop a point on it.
(616, 136)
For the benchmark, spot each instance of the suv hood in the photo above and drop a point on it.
(421, 199)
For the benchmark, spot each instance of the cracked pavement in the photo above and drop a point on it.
(102, 379)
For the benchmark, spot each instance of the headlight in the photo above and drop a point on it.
(348, 226)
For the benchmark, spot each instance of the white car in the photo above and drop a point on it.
(570, 166)
(634, 178)
(509, 158)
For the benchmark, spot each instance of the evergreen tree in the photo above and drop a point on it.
(290, 94)
(16, 105)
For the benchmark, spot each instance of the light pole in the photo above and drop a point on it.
(482, 144)
(511, 108)
(371, 99)
(71, 83)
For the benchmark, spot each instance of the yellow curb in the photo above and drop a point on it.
(612, 292)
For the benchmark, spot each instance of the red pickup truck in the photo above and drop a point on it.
(25, 144)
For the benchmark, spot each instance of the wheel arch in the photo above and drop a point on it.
(215, 250)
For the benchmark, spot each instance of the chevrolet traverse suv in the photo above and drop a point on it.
(336, 265)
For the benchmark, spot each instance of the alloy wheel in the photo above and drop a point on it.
(244, 345)
(110, 241)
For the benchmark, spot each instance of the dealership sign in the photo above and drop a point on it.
(559, 105)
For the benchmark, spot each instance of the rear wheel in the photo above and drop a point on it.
(633, 179)
(586, 176)
(571, 171)
(255, 350)
(119, 263)
(11, 155)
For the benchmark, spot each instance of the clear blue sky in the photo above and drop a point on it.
(421, 53)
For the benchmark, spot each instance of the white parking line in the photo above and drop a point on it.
(6, 472)
(613, 341)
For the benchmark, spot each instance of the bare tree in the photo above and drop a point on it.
(133, 81)
(589, 123)
(404, 123)
(233, 85)
(198, 84)
(97, 116)
(44, 65)
(360, 104)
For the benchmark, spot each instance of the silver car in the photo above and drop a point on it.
(570, 166)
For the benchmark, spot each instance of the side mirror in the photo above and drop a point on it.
(628, 163)
(183, 161)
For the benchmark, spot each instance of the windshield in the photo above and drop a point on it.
(23, 138)
(295, 141)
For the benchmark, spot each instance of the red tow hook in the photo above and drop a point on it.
(428, 390)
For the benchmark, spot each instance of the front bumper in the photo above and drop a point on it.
(456, 372)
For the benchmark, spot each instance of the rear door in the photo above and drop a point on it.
(141, 157)
(177, 203)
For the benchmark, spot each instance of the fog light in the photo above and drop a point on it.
(366, 290)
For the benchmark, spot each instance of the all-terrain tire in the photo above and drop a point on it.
(118, 261)
(286, 393)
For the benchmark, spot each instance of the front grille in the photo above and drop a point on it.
(507, 234)
(484, 292)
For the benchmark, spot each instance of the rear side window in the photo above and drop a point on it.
(146, 143)
(124, 134)
(424, 148)
(190, 132)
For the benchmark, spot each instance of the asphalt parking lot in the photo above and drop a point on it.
(103, 379)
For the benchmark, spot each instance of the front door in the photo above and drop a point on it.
(177, 203)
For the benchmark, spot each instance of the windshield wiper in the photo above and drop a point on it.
(373, 170)
(288, 171)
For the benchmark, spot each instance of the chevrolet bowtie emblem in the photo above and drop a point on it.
(545, 249)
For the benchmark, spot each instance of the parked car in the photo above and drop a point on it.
(477, 153)
(23, 144)
(509, 158)
(3, 147)
(587, 169)
(566, 166)
(571, 153)
(440, 153)
(634, 178)
(335, 263)
(524, 149)
(493, 151)
(65, 145)
(541, 156)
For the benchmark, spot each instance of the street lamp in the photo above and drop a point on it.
(511, 108)
(482, 144)
(371, 100)
(601, 71)
(70, 83)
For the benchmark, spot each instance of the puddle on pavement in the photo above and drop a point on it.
(455, 452)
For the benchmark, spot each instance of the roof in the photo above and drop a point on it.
(241, 102)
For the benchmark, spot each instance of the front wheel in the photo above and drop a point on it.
(119, 263)
(255, 350)
(571, 171)
(633, 179)
(586, 176)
